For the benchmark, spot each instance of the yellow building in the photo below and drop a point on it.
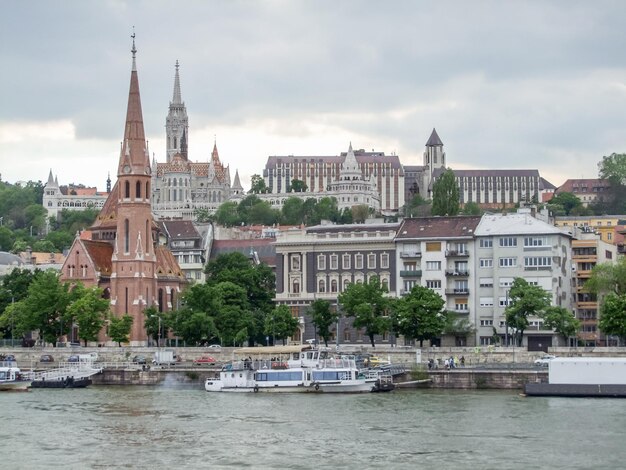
(604, 225)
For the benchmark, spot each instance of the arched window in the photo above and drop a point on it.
(296, 287)
(321, 286)
(333, 285)
(160, 300)
(127, 190)
(147, 190)
(138, 190)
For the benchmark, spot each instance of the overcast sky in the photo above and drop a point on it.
(526, 84)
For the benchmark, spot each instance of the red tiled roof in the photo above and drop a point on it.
(101, 254)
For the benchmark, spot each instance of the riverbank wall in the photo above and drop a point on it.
(467, 378)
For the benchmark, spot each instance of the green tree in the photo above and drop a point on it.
(613, 315)
(257, 185)
(227, 214)
(90, 311)
(298, 186)
(202, 215)
(195, 327)
(323, 318)
(608, 277)
(60, 239)
(258, 281)
(280, 324)
(263, 213)
(360, 213)
(45, 307)
(419, 315)
(471, 208)
(416, 207)
(445, 195)
(565, 204)
(7, 238)
(367, 303)
(325, 209)
(293, 211)
(119, 328)
(561, 321)
(613, 169)
(525, 300)
(154, 322)
(45, 246)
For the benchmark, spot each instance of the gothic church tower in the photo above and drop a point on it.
(133, 276)
(434, 156)
(177, 124)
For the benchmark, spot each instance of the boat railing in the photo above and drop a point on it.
(334, 363)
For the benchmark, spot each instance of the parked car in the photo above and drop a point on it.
(375, 361)
(544, 360)
(216, 347)
(73, 358)
(139, 359)
(9, 358)
(46, 358)
(208, 360)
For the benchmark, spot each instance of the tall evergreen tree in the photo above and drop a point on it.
(445, 195)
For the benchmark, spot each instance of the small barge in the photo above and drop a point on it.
(582, 377)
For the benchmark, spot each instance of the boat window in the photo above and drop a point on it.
(3, 375)
(281, 376)
(309, 355)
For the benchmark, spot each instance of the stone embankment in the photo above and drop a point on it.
(485, 367)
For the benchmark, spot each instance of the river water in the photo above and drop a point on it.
(105, 427)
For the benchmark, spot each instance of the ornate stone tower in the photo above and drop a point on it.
(133, 273)
(434, 156)
(176, 123)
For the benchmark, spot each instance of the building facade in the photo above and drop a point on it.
(321, 262)
(589, 190)
(588, 250)
(71, 197)
(375, 172)
(437, 253)
(518, 245)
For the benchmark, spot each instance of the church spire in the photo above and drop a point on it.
(177, 97)
(133, 155)
(176, 122)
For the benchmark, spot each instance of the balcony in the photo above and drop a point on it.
(410, 254)
(457, 254)
(457, 273)
(461, 312)
(414, 273)
(457, 291)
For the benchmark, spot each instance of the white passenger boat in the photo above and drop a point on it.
(11, 378)
(290, 369)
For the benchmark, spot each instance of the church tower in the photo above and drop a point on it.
(434, 156)
(176, 123)
(133, 263)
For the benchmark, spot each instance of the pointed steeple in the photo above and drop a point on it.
(109, 183)
(434, 140)
(133, 156)
(237, 188)
(176, 99)
(176, 122)
(50, 179)
(350, 166)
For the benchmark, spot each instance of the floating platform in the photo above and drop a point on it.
(69, 382)
(575, 390)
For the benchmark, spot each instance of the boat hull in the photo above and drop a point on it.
(17, 385)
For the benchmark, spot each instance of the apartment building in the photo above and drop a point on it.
(518, 245)
(588, 250)
(437, 252)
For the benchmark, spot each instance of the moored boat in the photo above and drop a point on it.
(11, 378)
(300, 368)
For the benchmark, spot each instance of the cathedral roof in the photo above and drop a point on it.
(167, 267)
(434, 140)
(107, 218)
(100, 254)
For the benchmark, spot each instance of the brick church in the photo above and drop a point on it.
(120, 252)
